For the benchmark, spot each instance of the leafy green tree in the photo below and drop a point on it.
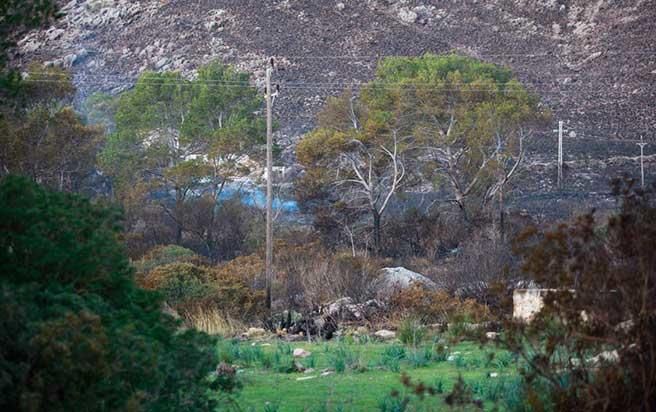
(42, 137)
(470, 117)
(76, 333)
(177, 136)
(358, 153)
(452, 120)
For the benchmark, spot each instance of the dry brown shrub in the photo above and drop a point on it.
(308, 274)
(189, 289)
(213, 322)
(249, 268)
(436, 306)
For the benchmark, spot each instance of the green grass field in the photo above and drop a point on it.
(349, 375)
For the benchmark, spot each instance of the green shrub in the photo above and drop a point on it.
(343, 358)
(392, 356)
(76, 333)
(411, 331)
(165, 255)
(420, 357)
(440, 353)
(393, 404)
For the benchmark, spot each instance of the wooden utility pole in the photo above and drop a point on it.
(561, 130)
(269, 202)
(642, 145)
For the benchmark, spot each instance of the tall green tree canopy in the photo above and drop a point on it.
(75, 332)
(471, 118)
(178, 136)
(451, 120)
(360, 154)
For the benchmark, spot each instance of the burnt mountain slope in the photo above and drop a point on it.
(593, 62)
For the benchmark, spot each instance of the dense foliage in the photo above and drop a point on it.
(76, 333)
(592, 347)
(451, 121)
(177, 143)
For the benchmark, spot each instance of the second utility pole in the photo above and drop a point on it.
(560, 132)
(269, 202)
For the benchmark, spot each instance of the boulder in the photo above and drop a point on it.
(167, 309)
(223, 369)
(391, 280)
(385, 334)
(346, 310)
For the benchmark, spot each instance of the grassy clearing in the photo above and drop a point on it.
(360, 376)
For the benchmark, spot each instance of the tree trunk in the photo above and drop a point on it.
(179, 204)
(502, 231)
(377, 235)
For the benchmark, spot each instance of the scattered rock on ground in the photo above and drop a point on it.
(346, 310)
(252, 333)
(306, 378)
(491, 335)
(301, 353)
(385, 334)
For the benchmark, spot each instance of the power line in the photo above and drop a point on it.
(468, 53)
(320, 86)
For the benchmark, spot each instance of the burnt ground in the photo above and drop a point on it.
(593, 63)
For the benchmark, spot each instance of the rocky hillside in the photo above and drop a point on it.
(593, 62)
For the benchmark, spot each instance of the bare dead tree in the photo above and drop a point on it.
(375, 174)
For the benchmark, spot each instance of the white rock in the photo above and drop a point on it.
(301, 353)
(161, 63)
(407, 16)
(306, 378)
(605, 357)
(340, 6)
(254, 333)
(491, 335)
(385, 334)
(391, 280)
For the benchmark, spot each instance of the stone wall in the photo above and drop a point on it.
(527, 302)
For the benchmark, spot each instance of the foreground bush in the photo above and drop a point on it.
(75, 332)
(593, 345)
